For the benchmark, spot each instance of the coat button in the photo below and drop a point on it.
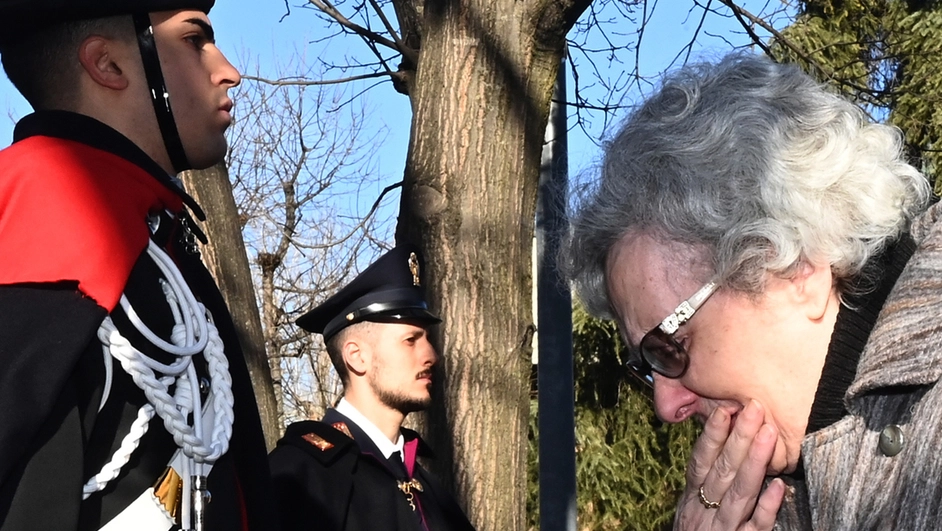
(891, 440)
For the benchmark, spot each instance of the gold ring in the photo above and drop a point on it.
(707, 503)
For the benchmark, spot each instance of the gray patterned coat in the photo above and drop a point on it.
(851, 483)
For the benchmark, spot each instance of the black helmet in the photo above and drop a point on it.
(20, 17)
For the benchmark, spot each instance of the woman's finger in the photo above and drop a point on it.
(726, 466)
(763, 519)
(739, 502)
(708, 447)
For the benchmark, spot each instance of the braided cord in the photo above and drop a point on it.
(193, 332)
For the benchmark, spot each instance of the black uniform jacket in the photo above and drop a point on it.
(326, 480)
(58, 281)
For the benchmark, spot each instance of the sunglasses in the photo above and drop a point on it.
(659, 351)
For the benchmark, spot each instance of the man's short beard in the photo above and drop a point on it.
(401, 403)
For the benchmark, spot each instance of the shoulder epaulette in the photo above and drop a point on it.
(324, 442)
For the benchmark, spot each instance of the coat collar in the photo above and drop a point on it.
(905, 347)
(86, 130)
(376, 436)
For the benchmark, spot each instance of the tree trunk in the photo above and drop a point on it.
(269, 263)
(226, 259)
(480, 102)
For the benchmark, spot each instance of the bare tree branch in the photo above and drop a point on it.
(287, 82)
(327, 8)
(406, 51)
(742, 13)
(361, 224)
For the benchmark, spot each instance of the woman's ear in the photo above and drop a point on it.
(100, 58)
(813, 287)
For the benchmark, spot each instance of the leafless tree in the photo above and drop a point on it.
(306, 193)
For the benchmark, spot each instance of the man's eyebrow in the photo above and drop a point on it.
(207, 29)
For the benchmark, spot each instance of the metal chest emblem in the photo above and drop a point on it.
(317, 441)
(407, 488)
(414, 267)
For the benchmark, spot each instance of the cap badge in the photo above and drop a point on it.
(414, 267)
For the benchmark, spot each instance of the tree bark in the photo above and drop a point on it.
(480, 103)
(226, 259)
(269, 263)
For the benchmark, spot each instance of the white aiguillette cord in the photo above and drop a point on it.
(193, 333)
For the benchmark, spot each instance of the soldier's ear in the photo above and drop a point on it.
(356, 355)
(101, 59)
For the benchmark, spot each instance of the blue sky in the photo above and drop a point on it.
(251, 31)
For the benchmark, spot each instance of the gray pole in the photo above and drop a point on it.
(557, 438)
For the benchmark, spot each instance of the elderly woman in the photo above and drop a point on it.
(768, 256)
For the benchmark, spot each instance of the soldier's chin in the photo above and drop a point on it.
(406, 405)
(208, 155)
(422, 404)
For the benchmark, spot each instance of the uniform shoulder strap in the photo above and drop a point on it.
(322, 441)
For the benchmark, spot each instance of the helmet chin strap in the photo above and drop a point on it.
(159, 95)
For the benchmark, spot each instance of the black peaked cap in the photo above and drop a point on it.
(21, 17)
(388, 290)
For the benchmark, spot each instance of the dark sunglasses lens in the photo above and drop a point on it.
(664, 354)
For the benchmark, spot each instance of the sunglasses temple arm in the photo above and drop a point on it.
(702, 295)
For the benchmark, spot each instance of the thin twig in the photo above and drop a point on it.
(332, 12)
(787, 42)
(408, 52)
(362, 223)
(311, 82)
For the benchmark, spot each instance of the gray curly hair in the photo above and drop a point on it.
(756, 163)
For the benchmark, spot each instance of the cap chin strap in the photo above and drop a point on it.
(158, 92)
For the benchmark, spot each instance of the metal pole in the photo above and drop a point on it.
(557, 439)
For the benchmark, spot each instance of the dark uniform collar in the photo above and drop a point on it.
(89, 131)
(366, 444)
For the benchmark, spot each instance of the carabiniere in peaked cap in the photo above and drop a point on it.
(389, 290)
(21, 17)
